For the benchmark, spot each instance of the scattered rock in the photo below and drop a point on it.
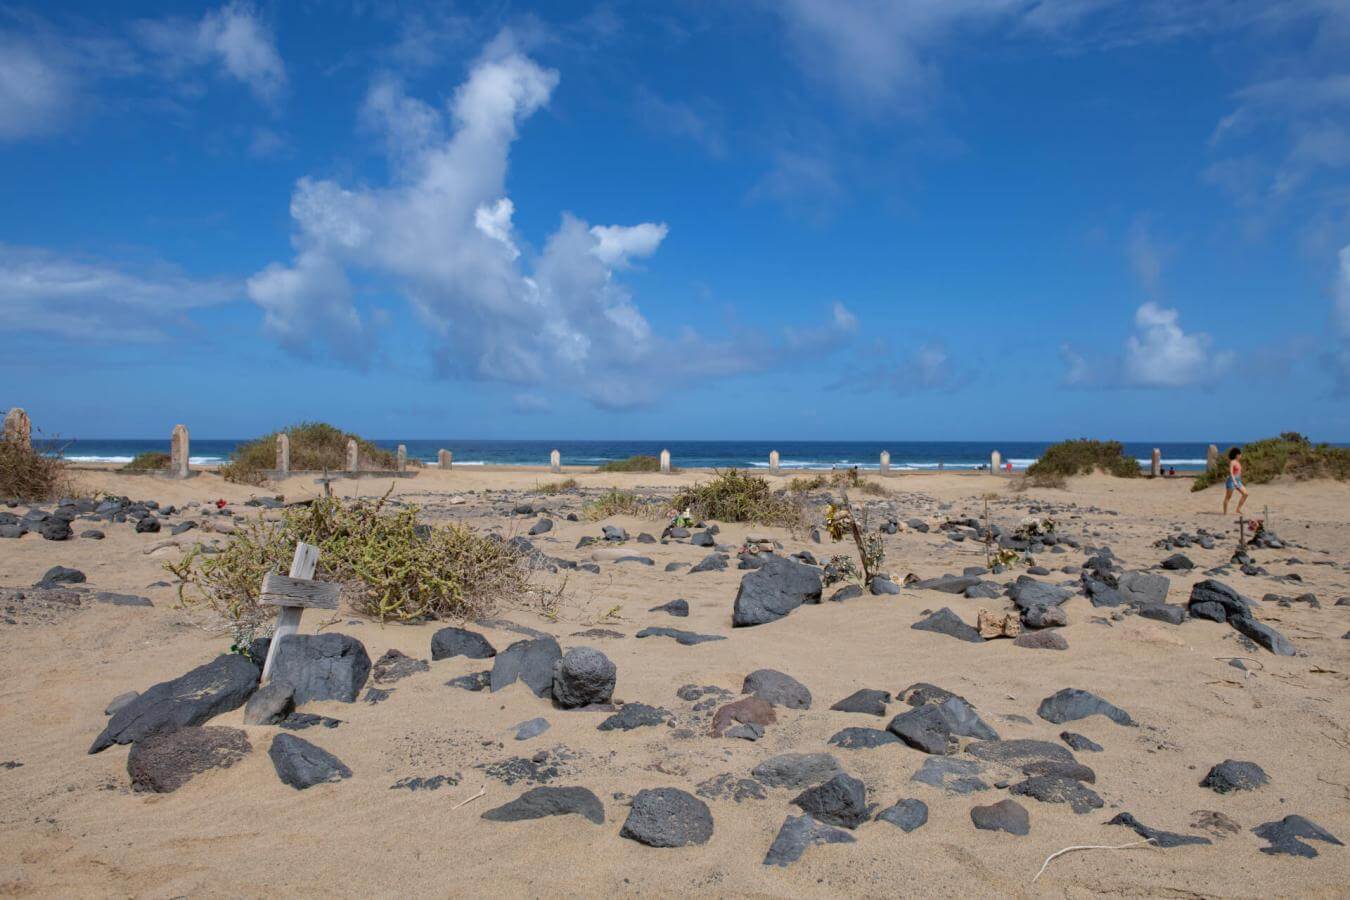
(687, 638)
(634, 715)
(449, 642)
(543, 526)
(1019, 752)
(269, 704)
(880, 585)
(907, 815)
(847, 592)
(60, 575)
(747, 711)
(729, 787)
(777, 688)
(1005, 815)
(474, 681)
(1041, 640)
(1178, 562)
(924, 728)
(840, 801)
(1216, 823)
(1045, 617)
(328, 666)
(530, 661)
(1080, 742)
(540, 802)
(583, 676)
(798, 833)
(303, 765)
(667, 817)
(1283, 836)
(531, 728)
(678, 608)
(862, 738)
(1160, 838)
(1058, 789)
(162, 763)
(775, 589)
(797, 770)
(1071, 704)
(1233, 775)
(869, 701)
(944, 621)
(396, 665)
(955, 776)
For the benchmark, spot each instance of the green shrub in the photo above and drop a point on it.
(389, 565)
(734, 496)
(150, 461)
(632, 464)
(314, 446)
(31, 476)
(614, 503)
(804, 484)
(1083, 457)
(1289, 454)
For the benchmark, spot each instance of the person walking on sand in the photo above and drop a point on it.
(1234, 482)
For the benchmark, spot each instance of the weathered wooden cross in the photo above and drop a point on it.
(295, 593)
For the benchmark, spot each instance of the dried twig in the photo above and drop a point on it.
(481, 791)
(1059, 853)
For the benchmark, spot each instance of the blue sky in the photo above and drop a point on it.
(833, 219)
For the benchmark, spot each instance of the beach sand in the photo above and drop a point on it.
(71, 826)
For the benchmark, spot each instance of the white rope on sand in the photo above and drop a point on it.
(1059, 853)
(481, 791)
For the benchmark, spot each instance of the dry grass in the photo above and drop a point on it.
(734, 496)
(390, 565)
(30, 476)
(557, 487)
(614, 502)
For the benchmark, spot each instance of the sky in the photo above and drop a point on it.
(769, 219)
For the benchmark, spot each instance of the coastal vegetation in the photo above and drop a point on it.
(549, 488)
(1081, 457)
(614, 502)
(638, 463)
(149, 461)
(390, 565)
(735, 496)
(31, 476)
(314, 446)
(1291, 454)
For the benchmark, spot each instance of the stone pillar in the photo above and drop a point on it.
(885, 462)
(995, 462)
(445, 459)
(283, 455)
(1157, 463)
(18, 428)
(353, 457)
(773, 462)
(179, 450)
(1212, 458)
(555, 461)
(402, 458)
(665, 462)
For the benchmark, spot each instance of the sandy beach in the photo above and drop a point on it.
(73, 826)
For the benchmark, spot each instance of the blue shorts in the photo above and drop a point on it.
(1234, 484)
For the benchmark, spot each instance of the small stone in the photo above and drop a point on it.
(1070, 704)
(955, 776)
(678, 608)
(1080, 742)
(530, 661)
(907, 815)
(798, 833)
(924, 728)
(474, 681)
(583, 676)
(1233, 775)
(1005, 815)
(61, 575)
(451, 642)
(748, 710)
(868, 701)
(862, 738)
(269, 704)
(742, 732)
(667, 817)
(1160, 838)
(944, 621)
(1041, 640)
(1178, 562)
(1058, 789)
(685, 638)
(634, 715)
(543, 526)
(303, 765)
(840, 801)
(396, 665)
(1284, 836)
(797, 770)
(531, 728)
(540, 802)
(777, 688)
(729, 787)
(1019, 752)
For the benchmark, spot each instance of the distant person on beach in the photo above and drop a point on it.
(1234, 482)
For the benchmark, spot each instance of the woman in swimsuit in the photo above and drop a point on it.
(1234, 482)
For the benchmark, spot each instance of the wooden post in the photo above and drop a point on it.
(353, 458)
(995, 462)
(179, 450)
(665, 462)
(885, 462)
(1212, 458)
(555, 462)
(402, 458)
(283, 454)
(18, 428)
(773, 462)
(1157, 463)
(445, 459)
(293, 595)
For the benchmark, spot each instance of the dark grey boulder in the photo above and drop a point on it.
(985, 590)
(944, 621)
(1164, 839)
(582, 676)
(1071, 704)
(775, 589)
(303, 765)
(543, 526)
(450, 642)
(1214, 592)
(60, 575)
(797, 770)
(541, 802)
(688, 638)
(777, 688)
(1234, 775)
(1144, 588)
(847, 592)
(679, 608)
(840, 801)
(270, 704)
(702, 539)
(799, 833)
(162, 763)
(1045, 617)
(924, 728)
(1027, 592)
(1080, 742)
(634, 715)
(954, 776)
(190, 699)
(1214, 612)
(144, 525)
(713, 562)
(328, 666)
(907, 814)
(869, 701)
(1005, 815)
(1058, 789)
(1283, 836)
(530, 661)
(667, 817)
(1178, 562)
(880, 585)
(862, 738)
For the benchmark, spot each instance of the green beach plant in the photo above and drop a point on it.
(315, 446)
(1290, 454)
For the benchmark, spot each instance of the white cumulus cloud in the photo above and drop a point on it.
(233, 38)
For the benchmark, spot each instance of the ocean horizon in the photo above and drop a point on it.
(795, 455)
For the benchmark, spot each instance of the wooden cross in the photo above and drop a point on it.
(295, 593)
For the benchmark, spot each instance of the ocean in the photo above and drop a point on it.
(803, 455)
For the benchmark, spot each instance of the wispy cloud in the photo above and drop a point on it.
(682, 119)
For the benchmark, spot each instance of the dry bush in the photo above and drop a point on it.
(734, 496)
(1038, 480)
(556, 487)
(390, 566)
(315, 446)
(31, 476)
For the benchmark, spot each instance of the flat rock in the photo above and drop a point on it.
(947, 584)
(678, 608)
(907, 815)
(1071, 704)
(841, 801)
(847, 592)
(531, 728)
(328, 666)
(1284, 835)
(944, 621)
(1164, 612)
(1234, 775)
(797, 834)
(1058, 789)
(728, 787)
(1005, 815)
(1041, 640)
(687, 638)
(303, 765)
(1028, 593)
(1018, 752)
(667, 817)
(61, 575)
(868, 701)
(116, 599)
(583, 676)
(777, 688)
(162, 763)
(954, 776)
(1216, 823)
(862, 738)
(1062, 769)
(530, 661)
(1160, 838)
(880, 586)
(541, 802)
(1144, 588)
(1178, 562)
(396, 665)
(634, 715)
(190, 699)
(797, 770)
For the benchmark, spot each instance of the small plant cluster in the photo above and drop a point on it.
(681, 519)
(846, 479)
(1004, 556)
(556, 487)
(839, 522)
(1083, 457)
(1291, 454)
(1035, 526)
(632, 464)
(614, 502)
(149, 461)
(841, 568)
(390, 565)
(32, 476)
(735, 496)
(315, 446)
